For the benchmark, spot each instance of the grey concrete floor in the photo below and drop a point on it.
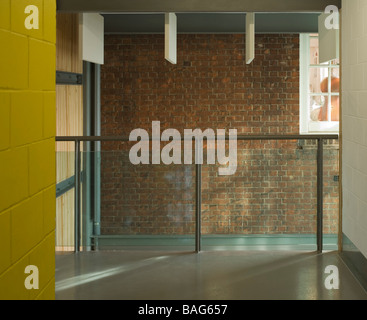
(210, 275)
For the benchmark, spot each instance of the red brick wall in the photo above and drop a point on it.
(274, 188)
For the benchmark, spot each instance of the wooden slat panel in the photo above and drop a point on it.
(65, 222)
(69, 114)
(69, 121)
(68, 53)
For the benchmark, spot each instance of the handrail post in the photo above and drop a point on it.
(198, 209)
(77, 198)
(320, 194)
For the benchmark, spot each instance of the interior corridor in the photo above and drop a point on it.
(209, 275)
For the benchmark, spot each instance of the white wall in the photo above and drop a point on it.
(354, 121)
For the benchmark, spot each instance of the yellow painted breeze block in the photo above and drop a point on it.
(49, 20)
(13, 176)
(27, 161)
(42, 168)
(12, 282)
(4, 120)
(42, 65)
(26, 226)
(18, 17)
(49, 205)
(5, 243)
(48, 293)
(26, 117)
(5, 14)
(43, 257)
(49, 114)
(13, 60)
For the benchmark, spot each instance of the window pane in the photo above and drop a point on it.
(322, 99)
(318, 79)
(335, 73)
(314, 50)
(315, 103)
(320, 110)
(335, 99)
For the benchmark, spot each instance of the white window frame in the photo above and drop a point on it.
(306, 125)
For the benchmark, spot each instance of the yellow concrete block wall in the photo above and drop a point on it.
(27, 148)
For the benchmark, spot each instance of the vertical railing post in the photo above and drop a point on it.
(320, 167)
(198, 209)
(77, 198)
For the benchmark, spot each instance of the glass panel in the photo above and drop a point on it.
(331, 194)
(335, 73)
(89, 199)
(145, 205)
(335, 88)
(315, 103)
(318, 80)
(319, 105)
(314, 50)
(270, 202)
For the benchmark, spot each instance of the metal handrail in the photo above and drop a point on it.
(320, 141)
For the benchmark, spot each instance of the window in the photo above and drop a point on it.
(319, 89)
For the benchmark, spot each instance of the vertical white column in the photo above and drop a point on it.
(171, 37)
(92, 37)
(328, 36)
(250, 37)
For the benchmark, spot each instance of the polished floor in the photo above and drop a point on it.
(209, 275)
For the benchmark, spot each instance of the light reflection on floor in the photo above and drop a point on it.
(94, 276)
(218, 275)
